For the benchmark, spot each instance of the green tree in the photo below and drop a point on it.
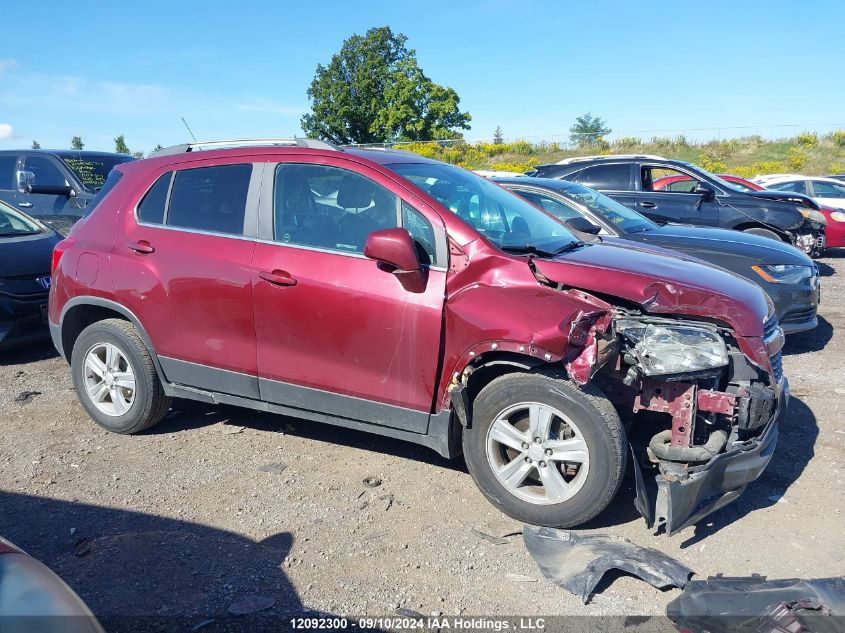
(36, 144)
(138, 154)
(76, 143)
(373, 91)
(588, 129)
(157, 148)
(120, 145)
(498, 139)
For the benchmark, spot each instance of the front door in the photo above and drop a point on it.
(671, 205)
(336, 332)
(46, 170)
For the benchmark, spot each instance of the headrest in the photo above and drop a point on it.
(354, 193)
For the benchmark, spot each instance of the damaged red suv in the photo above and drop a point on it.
(386, 292)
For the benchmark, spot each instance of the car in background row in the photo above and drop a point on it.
(54, 186)
(684, 183)
(788, 276)
(713, 202)
(26, 249)
(827, 192)
(34, 598)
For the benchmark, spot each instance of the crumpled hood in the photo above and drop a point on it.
(662, 284)
(713, 244)
(786, 196)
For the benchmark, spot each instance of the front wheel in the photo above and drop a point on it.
(545, 451)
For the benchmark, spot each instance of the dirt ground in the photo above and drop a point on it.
(183, 521)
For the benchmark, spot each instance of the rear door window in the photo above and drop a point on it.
(210, 199)
(606, 177)
(828, 190)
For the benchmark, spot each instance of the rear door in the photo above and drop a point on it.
(828, 194)
(336, 332)
(665, 206)
(181, 264)
(613, 179)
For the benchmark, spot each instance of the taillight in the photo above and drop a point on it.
(59, 250)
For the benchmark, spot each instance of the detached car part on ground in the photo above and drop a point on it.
(33, 598)
(713, 202)
(481, 325)
(26, 247)
(788, 276)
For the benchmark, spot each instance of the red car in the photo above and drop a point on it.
(390, 293)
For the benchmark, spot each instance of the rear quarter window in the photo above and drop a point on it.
(152, 206)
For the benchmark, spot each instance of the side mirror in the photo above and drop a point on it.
(25, 179)
(51, 190)
(707, 193)
(582, 225)
(395, 251)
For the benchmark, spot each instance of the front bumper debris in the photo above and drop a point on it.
(577, 562)
(685, 497)
(753, 604)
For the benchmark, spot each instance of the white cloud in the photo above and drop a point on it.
(6, 131)
(6, 64)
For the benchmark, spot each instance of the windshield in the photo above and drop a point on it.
(93, 170)
(606, 208)
(502, 217)
(719, 181)
(15, 223)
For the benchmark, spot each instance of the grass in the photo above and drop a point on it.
(748, 156)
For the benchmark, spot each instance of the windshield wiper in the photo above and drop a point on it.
(531, 249)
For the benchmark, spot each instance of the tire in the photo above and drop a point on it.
(104, 357)
(756, 230)
(591, 424)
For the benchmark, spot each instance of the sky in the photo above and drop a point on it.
(242, 70)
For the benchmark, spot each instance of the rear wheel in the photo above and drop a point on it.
(545, 451)
(115, 378)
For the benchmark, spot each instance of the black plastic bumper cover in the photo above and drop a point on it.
(711, 486)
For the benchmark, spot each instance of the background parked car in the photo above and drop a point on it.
(788, 276)
(682, 182)
(33, 598)
(827, 192)
(54, 186)
(713, 202)
(26, 248)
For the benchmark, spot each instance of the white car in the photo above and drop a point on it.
(827, 192)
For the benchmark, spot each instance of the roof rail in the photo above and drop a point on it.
(311, 143)
(576, 159)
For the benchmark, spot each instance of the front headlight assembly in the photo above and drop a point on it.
(784, 273)
(660, 349)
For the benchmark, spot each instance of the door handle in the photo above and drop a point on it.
(141, 247)
(25, 205)
(647, 204)
(278, 277)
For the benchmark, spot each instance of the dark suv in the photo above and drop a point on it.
(706, 201)
(386, 292)
(54, 186)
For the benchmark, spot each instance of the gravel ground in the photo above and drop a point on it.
(182, 520)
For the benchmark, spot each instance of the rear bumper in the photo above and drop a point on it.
(680, 502)
(22, 322)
